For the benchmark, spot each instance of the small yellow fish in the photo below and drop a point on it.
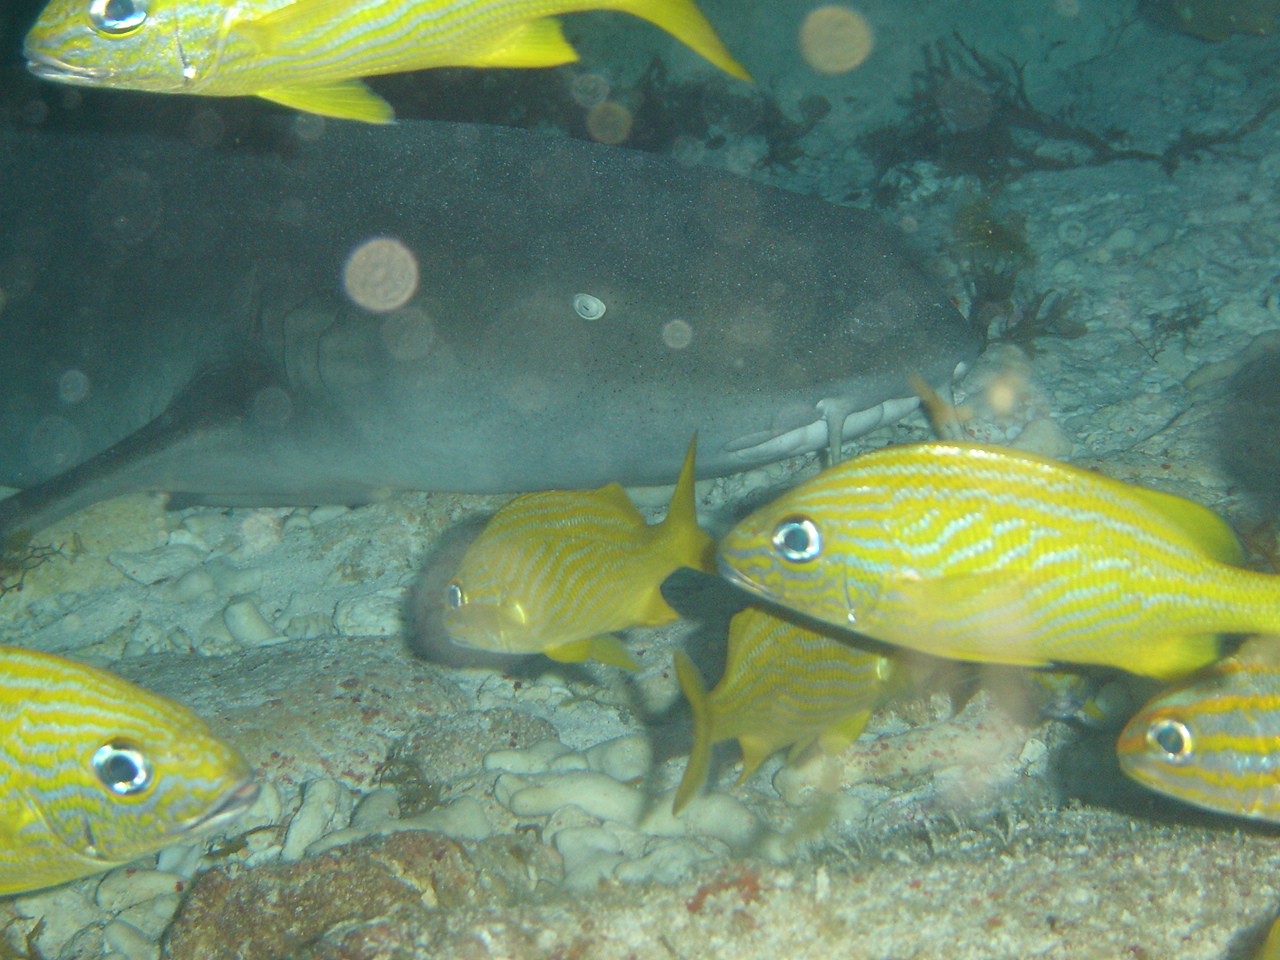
(983, 553)
(1214, 741)
(95, 772)
(557, 572)
(308, 54)
(784, 685)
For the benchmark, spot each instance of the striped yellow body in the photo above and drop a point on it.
(784, 685)
(1214, 741)
(983, 553)
(95, 772)
(557, 572)
(308, 53)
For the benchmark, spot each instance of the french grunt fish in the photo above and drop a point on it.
(309, 54)
(983, 553)
(1214, 740)
(96, 772)
(784, 685)
(557, 572)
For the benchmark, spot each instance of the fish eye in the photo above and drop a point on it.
(122, 768)
(453, 595)
(797, 539)
(117, 17)
(1172, 739)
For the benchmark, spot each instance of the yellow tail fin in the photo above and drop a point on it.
(695, 774)
(685, 22)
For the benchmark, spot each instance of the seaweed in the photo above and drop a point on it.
(1044, 313)
(415, 791)
(969, 112)
(19, 556)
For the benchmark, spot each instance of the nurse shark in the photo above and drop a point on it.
(175, 318)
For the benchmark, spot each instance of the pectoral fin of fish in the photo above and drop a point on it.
(345, 100)
(699, 766)
(607, 649)
(538, 43)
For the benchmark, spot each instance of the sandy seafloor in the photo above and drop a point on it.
(947, 832)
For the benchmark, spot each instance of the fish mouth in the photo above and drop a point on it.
(47, 67)
(229, 805)
(739, 579)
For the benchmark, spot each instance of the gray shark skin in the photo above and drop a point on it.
(174, 318)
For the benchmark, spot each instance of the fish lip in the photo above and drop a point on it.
(740, 580)
(237, 799)
(47, 67)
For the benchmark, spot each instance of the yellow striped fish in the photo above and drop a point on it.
(95, 772)
(983, 553)
(784, 685)
(1214, 741)
(309, 54)
(557, 572)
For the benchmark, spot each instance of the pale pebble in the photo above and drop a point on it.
(321, 806)
(596, 793)
(464, 819)
(307, 626)
(124, 887)
(567, 817)
(151, 566)
(715, 815)
(567, 762)
(534, 759)
(508, 785)
(192, 585)
(371, 615)
(215, 630)
(376, 808)
(151, 916)
(590, 854)
(247, 625)
(264, 811)
(180, 858)
(129, 940)
(623, 758)
(65, 909)
(668, 861)
(327, 512)
(1045, 437)
(230, 580)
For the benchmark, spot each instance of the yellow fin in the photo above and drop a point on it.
(537, 43)
(689, 543)
(606, 649)
(755, 751)
(699, 767)
(684, 21)
(346, 100)
(1208, 530)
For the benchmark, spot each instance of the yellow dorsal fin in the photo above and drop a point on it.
(695, 774)
(689, 544)
(537, 43)
(685, 22)
(614, 496)
(346, 100)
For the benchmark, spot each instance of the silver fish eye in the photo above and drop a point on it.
(453, 595)
(797, 539)
(122, 768)
(1171, 739)
(117, 17)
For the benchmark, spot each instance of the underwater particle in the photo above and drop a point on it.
(609, 123)
(835, 39)
(588, 307)
(54, 444)
(677, 334)
(308, 127)
(589, 90)
(688, 151)
(381, 274)
(125, 208)
(35, 111)
(1067, 8)
(73, 386)
(206, 128)
(1072, 233)
(408, 334)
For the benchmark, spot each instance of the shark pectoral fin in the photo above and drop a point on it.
(346, 100)
(538, 43)
(606, 648)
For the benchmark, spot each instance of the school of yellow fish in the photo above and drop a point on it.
(96, 772)
(310, 54)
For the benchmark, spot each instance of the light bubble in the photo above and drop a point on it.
(688, 151)
(588, 307)
(73, 386)
(609, 123)
(677, 334)
(408, 334)
(126, 207)
(589, 90)
(835, 39)
(53, 445)
(308, 127)
(271, 406)
(206, 128)
(381, 274)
